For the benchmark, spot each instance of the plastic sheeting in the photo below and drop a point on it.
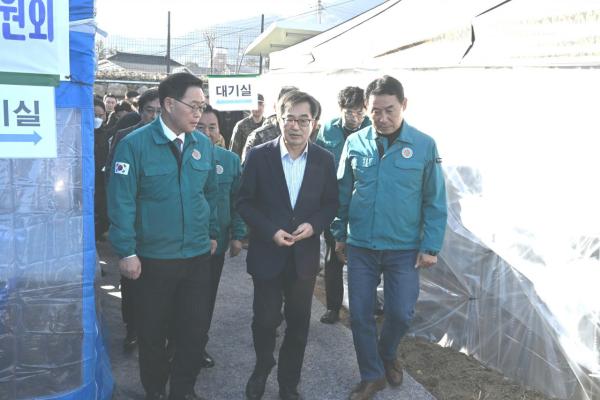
(50, 343)
(517, 282)
(517, 285)
(515, 119)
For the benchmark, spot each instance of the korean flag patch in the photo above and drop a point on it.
(121, 168)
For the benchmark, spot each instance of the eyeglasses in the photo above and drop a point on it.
(195, 108)
(354, 113)
(302, 122)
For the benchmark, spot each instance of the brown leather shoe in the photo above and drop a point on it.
(365, 390)
(393, 372)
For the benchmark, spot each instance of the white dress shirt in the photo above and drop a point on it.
(293, 171)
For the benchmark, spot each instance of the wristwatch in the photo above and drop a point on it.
(431, 252)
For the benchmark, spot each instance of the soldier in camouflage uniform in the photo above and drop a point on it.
(243, 127)
(269, 131)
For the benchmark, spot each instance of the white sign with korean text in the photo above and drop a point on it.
(231, 93)
(27, 122)
(34, 36)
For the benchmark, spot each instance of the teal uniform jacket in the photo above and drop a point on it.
(155, 210)
(396, 202)
(331, 137)
(228, 169)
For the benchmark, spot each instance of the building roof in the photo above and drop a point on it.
(280, 35)
(141, 62)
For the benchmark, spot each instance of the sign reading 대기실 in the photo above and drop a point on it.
(234, 92)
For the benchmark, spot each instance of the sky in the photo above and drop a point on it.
(129, 17)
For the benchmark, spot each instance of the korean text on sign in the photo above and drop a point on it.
(234, 90)
(20, 114)
(27, 19)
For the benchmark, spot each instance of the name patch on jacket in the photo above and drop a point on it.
(121, 168)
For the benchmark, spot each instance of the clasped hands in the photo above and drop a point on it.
(282, 238)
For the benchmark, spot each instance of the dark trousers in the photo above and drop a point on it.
(172, 292)
(216, 268)
(334, 278)
(127, 302)
(296, 296)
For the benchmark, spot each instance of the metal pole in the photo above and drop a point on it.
(262, 29)
(168, 59)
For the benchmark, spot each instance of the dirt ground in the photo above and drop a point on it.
(448, 374)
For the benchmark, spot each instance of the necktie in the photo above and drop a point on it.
(179, 144)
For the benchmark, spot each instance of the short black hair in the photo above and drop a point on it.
(386, 85)
(127, 120)
(214, 112)
(296, 97)
(107, 95)
(176, 85)
(351, 97)
(123, 106)
(131, 93)
(146, 97)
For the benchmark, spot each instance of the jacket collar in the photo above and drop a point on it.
(406, 133)
(159, 135)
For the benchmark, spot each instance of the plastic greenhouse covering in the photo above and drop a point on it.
(510, 96)
(51, 345)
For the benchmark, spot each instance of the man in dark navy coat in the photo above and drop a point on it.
(288, 196)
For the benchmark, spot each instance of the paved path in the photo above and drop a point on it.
(329, 371)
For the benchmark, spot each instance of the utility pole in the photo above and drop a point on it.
(168, 60)
(262, 29)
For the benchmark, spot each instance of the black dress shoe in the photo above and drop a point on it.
(207, 360)
(289, 393)
(255, 388)
(330, 317)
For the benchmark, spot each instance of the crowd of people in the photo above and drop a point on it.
(175, 194)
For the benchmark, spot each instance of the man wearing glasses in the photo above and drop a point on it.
(332, 137)
(287, 196)
(162, 198)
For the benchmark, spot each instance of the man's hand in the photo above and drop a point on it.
(235, 247)
(426, 260)
(340, 251)
(130, 267)
(282, 238)
(303, 231)
(213, 246)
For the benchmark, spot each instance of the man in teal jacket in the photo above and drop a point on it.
(232, 228)
(391, 220)
(162, 198)
(332, 137)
